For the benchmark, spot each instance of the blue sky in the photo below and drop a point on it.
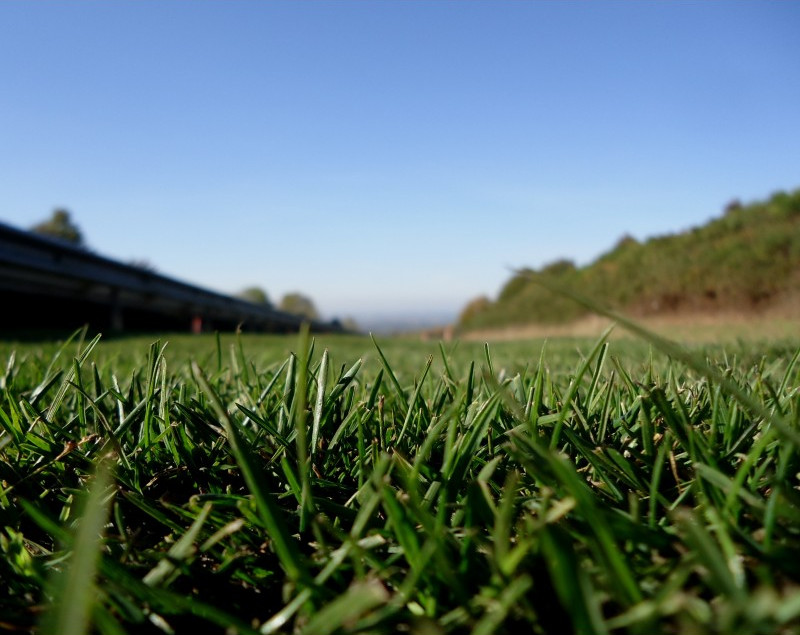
(390, 156)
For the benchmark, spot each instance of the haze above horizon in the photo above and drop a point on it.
(390, 157)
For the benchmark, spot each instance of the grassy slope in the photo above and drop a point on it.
(591, 490)
(746, 260)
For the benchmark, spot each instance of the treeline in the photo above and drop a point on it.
(746, 260)
(293, 302)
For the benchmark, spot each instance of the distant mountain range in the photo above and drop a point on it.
(747, 261)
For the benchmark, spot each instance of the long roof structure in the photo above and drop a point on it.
(48, 282)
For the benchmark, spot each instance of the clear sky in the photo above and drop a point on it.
(390, 156)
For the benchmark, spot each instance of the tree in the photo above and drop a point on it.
(474, 307)
(299, 304)
(60, 227)
(256, 295)
(350, 324)
(559, 267)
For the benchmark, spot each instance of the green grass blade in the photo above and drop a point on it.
(68, 378)
(496, 614)
(411, 412)
(182, 550)
(570, 582)
(268, 510)
(322, 378)
(344, 611)
(301, 427)
(74, 587)
(709, 554)
(575, 385)
(401, 395)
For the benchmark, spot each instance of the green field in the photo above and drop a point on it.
(263, 484)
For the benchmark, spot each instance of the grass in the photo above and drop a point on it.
(339, 485)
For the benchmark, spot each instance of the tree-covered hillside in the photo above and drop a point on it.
(746, 260)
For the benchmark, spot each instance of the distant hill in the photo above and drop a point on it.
(748, 260)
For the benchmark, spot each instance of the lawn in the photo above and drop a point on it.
(264, 484)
